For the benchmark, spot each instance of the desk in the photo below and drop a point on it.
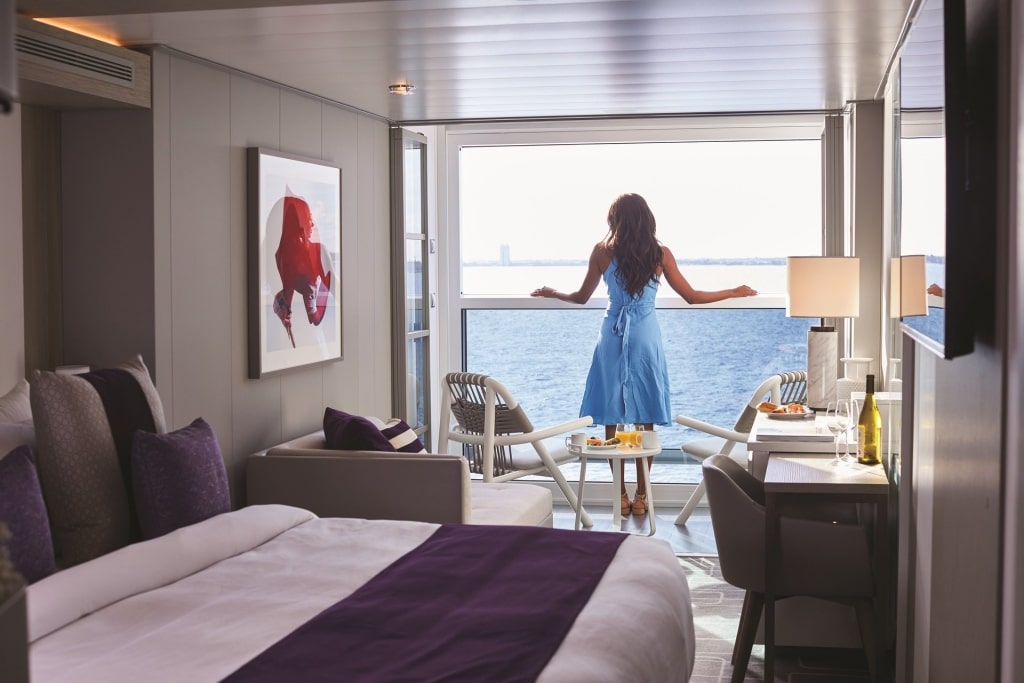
(811, 478)
(612, 455)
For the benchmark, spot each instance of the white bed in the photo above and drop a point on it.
(196, 604)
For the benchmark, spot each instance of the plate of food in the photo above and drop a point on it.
(789, 411)
(609, 447)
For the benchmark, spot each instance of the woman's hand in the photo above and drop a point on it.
(743, 290)
(545, 292)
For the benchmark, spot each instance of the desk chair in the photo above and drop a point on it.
(824, 554)
(785, 387)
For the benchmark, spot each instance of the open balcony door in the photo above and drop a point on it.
(414, 311)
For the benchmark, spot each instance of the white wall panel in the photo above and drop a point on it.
(12, 311)
(374, 323)
(163, 370)
(340, 135)
(200, 247)
(255, 404)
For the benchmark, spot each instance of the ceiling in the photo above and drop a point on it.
(527, 59)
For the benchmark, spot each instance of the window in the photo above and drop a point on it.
(731, 201)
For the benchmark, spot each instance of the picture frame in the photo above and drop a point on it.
(294, 256)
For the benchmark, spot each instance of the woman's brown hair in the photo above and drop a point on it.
(632, 242)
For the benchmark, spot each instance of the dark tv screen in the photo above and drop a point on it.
(953, 77)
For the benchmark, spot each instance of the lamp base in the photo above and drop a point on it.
(822, 366)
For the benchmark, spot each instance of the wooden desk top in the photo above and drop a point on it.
(818, 473)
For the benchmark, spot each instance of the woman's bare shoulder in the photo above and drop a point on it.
(602, 255)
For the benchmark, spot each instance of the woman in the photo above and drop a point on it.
(628, 379)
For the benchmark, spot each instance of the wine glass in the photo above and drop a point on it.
(833, 423)
(845, 419)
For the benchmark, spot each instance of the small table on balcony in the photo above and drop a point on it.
(612, 454)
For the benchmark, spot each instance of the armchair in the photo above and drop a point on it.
(785, 387)
(498, 438)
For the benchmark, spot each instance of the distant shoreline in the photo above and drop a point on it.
(774, 261)
(777, 261)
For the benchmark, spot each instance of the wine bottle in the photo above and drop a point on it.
(869, 427)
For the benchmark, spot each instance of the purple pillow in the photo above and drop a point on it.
(23, 511)
(402, 437)
(178, 478)
(345, 432)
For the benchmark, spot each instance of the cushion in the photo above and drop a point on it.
(84, 426)
(15, 405)
(179, 478)
(23, 511)
(402, 437)
(346, 432)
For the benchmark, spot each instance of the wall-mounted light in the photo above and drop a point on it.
(401, 88)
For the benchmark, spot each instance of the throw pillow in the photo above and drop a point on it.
(346, 432)
(15, 405)
(84, 426)
(402, 437)
(179, 478)
(23, 511)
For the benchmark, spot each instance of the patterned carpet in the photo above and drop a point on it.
(716, 613)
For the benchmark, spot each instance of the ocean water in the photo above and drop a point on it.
(716, 358)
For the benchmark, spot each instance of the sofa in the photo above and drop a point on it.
(425, 487)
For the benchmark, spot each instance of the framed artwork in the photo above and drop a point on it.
(294, 221)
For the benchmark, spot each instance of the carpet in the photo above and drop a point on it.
(716, 615)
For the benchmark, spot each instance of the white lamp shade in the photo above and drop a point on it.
(822, 287)
(913, 291)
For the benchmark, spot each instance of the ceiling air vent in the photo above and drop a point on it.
(78, 59)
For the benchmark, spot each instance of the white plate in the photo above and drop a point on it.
(612, 447)
(791, 416)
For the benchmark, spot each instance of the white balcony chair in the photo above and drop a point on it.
(498, 438)
(785, 387)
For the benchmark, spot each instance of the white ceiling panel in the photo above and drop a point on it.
(485, 59)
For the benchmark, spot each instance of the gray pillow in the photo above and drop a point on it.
(86, 481)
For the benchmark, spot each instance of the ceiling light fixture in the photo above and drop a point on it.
(401, 88)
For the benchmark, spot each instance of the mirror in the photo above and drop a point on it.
(921, 178)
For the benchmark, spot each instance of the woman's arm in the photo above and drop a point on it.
(599, 260)
(682, 287)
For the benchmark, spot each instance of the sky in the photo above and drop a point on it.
(710, 199)
(923, 196)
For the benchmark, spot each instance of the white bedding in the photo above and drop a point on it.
(196, 604)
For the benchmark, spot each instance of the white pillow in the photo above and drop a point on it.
(15, 406)
(402, 437)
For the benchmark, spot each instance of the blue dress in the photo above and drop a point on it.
(628, 379)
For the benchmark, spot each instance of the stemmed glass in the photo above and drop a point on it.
(832, 422)
(838, 419)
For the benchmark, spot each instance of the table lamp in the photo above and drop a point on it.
(822, 287)
(908, 289)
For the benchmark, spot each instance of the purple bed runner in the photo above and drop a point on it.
(470, 604)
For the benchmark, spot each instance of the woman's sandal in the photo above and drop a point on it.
(626, 505)
(640, 504)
